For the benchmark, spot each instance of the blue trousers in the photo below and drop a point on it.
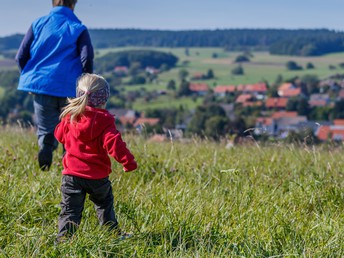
(47, 111)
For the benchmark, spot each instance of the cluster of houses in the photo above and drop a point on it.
(277, 122)
(280, 122)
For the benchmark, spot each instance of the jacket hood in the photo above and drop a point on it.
(91, 124)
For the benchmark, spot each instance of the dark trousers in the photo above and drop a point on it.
(47, 113)
(74, 191)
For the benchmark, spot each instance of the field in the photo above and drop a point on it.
(195, 199)
(263, 67)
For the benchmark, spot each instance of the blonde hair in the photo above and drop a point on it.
(86, 84)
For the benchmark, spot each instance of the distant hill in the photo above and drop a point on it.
(303, 42)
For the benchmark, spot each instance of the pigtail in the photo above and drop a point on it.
(87, 84)
(75, 107)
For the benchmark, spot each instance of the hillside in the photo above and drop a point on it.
(302, 42)
(185, 200)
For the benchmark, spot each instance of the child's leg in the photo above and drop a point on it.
(72, 204)
(102, 197)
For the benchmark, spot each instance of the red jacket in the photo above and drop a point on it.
(88, 143)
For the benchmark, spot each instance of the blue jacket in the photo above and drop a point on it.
(54, 53)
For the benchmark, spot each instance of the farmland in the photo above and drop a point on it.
(194, 199)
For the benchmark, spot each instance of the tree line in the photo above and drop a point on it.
(304, 42)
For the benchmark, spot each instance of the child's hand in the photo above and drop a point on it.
(130, 167)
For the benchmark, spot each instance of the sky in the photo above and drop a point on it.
(17, 15)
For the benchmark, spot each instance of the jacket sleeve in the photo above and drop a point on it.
(23, 54)
(59, 132)
(116, 148)
(86, 53)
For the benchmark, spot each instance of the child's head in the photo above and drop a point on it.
(92, 90)
(66, 3)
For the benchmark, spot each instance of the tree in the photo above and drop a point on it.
(293, 66)
(309, 66)
(171, 85)
(210, 74)
(241, 58)
(216, 126)
(183, 74)
(184, 88)
(239, 70)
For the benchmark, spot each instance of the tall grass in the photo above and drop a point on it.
(195, 199)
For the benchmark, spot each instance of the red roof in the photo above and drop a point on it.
(326, 132)
(146, 120)
(126, 120)
(264, 120)
(291, 93)
(317, 103)
(258, 87)
(224, 88)
(276, 102)
(323, 132)
(121, 69)
(252, 104)
(286, 86)
(338, 122)
(243, 98)
(198, 87)
(341, 94)
(280, 114)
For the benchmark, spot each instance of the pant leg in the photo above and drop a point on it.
(101, 195)
(72, 204)
(47, 112)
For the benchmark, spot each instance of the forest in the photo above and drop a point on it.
(300, 42)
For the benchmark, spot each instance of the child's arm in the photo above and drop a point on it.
(59, 132)
(117, 148)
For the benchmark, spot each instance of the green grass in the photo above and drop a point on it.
(166, 101)
(196, 199)
(262, 67)
(2, 92)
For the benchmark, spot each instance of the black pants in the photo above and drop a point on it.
(74, 191)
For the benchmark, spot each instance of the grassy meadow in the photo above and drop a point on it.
(193, 199)
(262, 67)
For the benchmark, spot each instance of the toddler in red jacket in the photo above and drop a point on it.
(89, 135)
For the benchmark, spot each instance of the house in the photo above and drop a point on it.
(121, 70)
(199, 88)
(276, 103)
(258, 89)
(319, 100)
(288, 90)
(146, 121)
(242, 98)
(221, 90)
(341, 94)
(152, 70)
(197, 76)
(279, 123)
(331, 132)
(125, 117)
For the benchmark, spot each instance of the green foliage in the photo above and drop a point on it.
(293, 66)
(184, 89)
(309, 45)
(142, 59)
(241, 58)
(239, 70)
(310, 65)
(197, 199)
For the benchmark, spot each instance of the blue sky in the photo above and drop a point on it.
(17, 15)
